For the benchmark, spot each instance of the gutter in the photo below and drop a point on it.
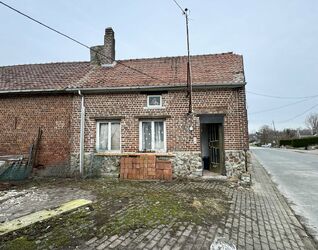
(156, 88)
(128, 89)
(82, 129)
(27, 91)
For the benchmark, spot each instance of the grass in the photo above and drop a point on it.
(20, 243)
(122, 206)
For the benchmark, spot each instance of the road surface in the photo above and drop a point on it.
(296, 174)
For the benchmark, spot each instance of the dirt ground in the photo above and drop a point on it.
(118, 207)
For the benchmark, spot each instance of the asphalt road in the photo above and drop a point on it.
(296, 174)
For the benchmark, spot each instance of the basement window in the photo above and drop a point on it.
(154, 101)
(152, 135)
(108, 136)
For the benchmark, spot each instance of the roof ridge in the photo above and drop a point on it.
(123, 60)
(170, 57)
(47, 63)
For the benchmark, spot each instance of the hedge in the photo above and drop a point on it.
(297, 143)
(285, 142)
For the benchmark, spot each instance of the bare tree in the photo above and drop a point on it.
(265, 135)
(312, 122)
(288, 133)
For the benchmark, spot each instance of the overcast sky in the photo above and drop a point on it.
(278, 39)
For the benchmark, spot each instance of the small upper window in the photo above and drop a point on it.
(154, 101)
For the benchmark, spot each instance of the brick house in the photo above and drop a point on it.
(93, 113)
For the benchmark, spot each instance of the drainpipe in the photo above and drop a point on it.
(81, 166)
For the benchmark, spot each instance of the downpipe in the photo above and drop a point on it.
(82, 128)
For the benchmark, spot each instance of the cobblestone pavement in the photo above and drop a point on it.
(259, 218)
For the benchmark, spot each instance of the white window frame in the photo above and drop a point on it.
(153, 135)
(109, 137)
(154, 106)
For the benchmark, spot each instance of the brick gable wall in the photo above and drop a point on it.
(20, 118)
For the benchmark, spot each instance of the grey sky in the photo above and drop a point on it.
(278, 39)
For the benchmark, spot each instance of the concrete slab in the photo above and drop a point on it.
(41, 215)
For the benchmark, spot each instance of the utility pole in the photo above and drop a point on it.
(276, 141)
(189, 78)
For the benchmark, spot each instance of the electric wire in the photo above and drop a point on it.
(183, 11)
(301, 114)
(281, 97)
(143, 73)
(77, 41)
(280, 107)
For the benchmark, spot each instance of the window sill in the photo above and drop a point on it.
(133, 154)
(107, 152)
(155, 107)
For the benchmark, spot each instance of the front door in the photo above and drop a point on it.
(212, 143)
(215, 145)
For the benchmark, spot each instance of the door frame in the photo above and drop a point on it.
(214, 119)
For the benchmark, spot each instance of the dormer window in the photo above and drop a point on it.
(154, 101)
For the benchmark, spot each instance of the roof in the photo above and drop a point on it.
(53, 76)
(216, 69)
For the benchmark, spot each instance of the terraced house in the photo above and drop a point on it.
(93, 113)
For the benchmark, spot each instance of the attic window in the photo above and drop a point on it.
(154, 101)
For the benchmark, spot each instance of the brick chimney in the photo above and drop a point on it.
(104, 55)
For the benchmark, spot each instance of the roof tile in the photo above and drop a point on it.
(216, 69)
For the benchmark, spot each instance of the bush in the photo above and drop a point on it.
(297, 143)
(285, 142)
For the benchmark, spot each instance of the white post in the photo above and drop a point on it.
(82, 128)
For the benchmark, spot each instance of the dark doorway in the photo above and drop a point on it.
(212, 145)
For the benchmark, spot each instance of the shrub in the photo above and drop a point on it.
(297, 143)
(285, 142)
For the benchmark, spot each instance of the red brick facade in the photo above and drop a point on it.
(130, 108)
(22, 115)
(59, 118)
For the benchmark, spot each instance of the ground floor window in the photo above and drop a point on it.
(108, 136)
(152, 136)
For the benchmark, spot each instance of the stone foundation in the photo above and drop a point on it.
(107, 165)
(96, 166)
(235, 162)
(187, 164)
(184, 165)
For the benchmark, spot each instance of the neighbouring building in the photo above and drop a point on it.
(93, 113)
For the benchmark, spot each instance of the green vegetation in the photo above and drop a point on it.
(121, 206)
(298, 143)
(20, 243)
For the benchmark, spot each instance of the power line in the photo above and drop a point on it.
(183, 11)
(301, 114)
(78, 42)
(281, 97)
(280, 107)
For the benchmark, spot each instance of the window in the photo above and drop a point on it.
(108, 136)
(154, 101)
(152, 136)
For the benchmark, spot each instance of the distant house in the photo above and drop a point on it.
(126, 107)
